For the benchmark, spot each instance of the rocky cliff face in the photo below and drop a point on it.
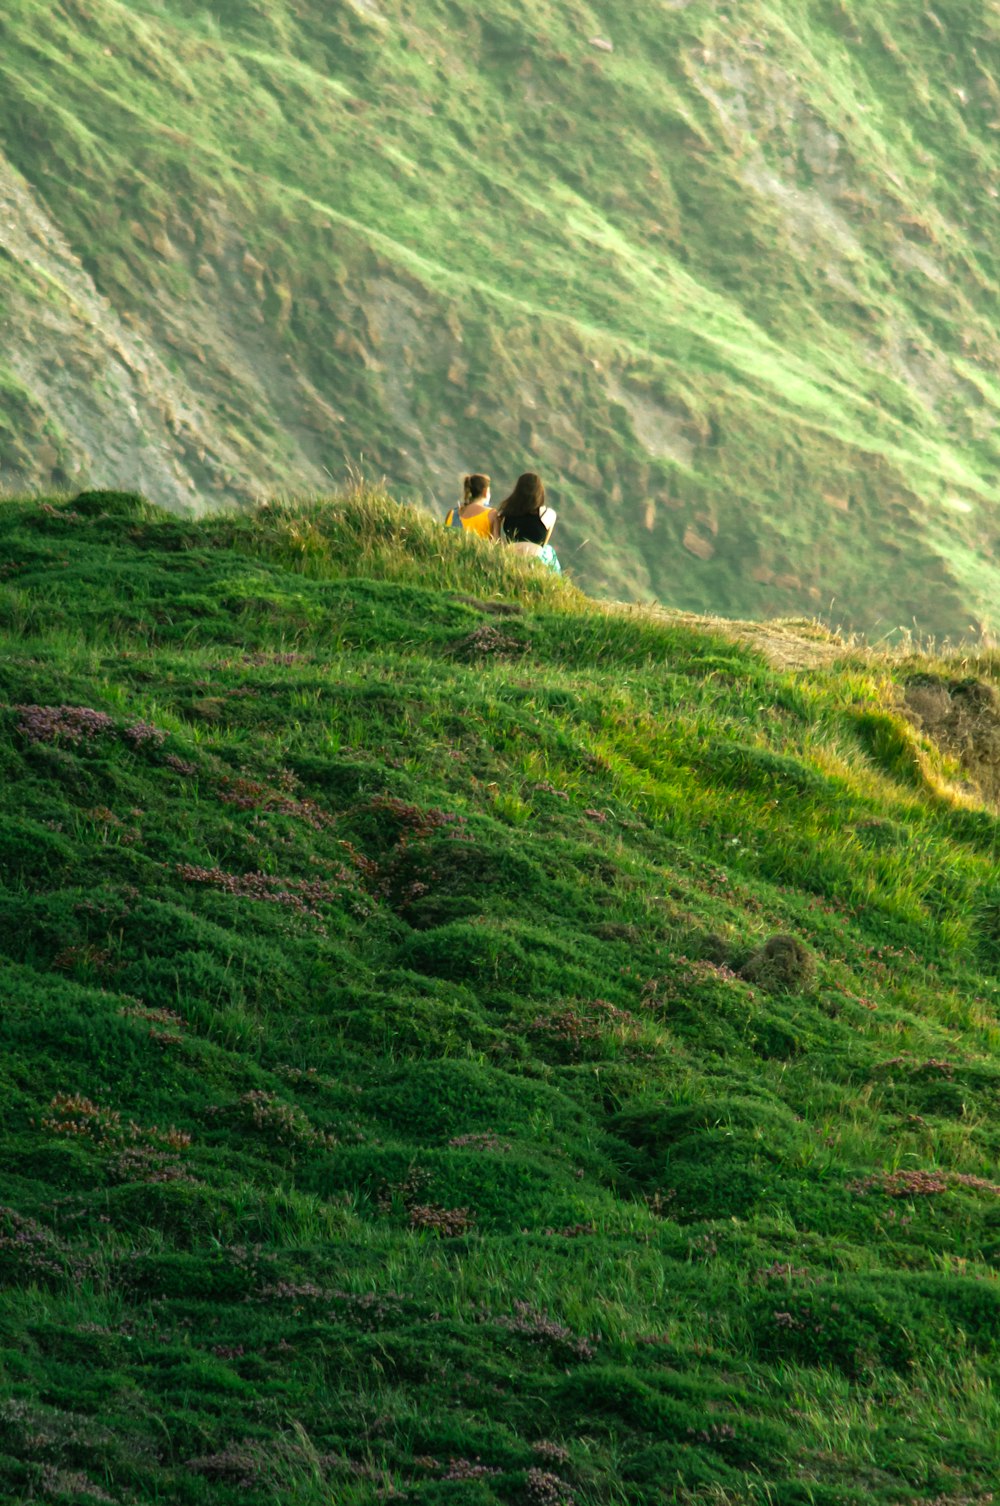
(727, 281)
(91, 393)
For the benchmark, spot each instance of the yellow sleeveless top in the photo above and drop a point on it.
(479, 524)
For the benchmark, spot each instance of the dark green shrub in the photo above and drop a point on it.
(167, 981)
(709, 1005)
(84, 1046)
(83, 779)
(183, 1210)
(710, 1160)
(65, 1166)
(385, 824)
(498, 957)
(850, 1328)
(458, 1490)
(111, 504)
(443, 876)
(716, 1179)
(37, 927)
(345, 780)
(615, 1393)
(439, 1100)
(657, 1127)
(970, 1310)
(979, 828)
(232, 1275)
(938, 1096)
(501, 1191)
(421, 1024)
(33, 1254)
(31, 853)
(776, 1037)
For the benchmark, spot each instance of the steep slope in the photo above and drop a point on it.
(728, 281)
(399, 1100)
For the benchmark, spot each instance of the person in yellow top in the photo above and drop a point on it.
(475, 512)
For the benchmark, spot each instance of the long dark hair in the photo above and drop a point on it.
(527, 497)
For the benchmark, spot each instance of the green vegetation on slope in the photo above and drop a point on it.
(395, 1103)
(731, 285)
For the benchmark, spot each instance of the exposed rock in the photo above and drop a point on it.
(369, 10)
(665, 432)
(352, 346)
(695, 544)
(164, 246)
(564, 429)
(586, 474)
(96, 372)
(254, 269)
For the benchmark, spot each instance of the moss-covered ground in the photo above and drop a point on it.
(396, 1104)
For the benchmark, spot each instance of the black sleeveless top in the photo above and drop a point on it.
(528, 528)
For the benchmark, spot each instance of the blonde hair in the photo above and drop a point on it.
(474, 487)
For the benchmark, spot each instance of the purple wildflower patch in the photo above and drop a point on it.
(68, 724)
(303, 896)
(82, 726)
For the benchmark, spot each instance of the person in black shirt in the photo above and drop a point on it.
(520, 513)
(526, 522)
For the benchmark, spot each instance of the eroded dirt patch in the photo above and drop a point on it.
(963, 718)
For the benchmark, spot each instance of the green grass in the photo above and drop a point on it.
(385, 1114)
(736, 276)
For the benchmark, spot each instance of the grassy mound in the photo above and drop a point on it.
(464, 1044)
(726, 276)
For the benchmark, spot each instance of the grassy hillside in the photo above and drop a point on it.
(729, 281)
(397, 1101)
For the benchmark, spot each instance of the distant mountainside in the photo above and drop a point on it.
(727, 278)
